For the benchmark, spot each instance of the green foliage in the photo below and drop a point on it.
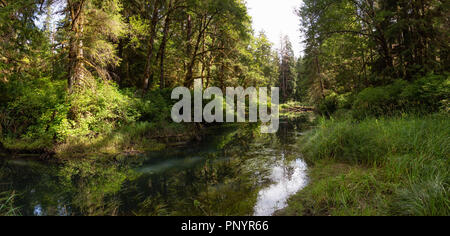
(397, 166)
(379, 101)
(38, 115)
(99, 110)
(110, 121)
(7, 204)
(334, 102)
(156, 106)
(429, 197)
(427, 94)
(33, 110)
(367, 141)
(328, 105)
(259, 63)
(51, 63)
(378, 46)
(340, 190)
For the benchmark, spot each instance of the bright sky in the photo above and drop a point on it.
(277, 18)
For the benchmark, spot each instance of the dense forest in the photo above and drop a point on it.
(378, 57)
(94, 77)
(77, 71)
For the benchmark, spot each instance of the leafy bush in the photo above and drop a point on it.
(34, 110)
(106, 120)
(378, 101)
(334, 102)
(328, 105)
(38, 114)
(97, 111)
(156, 106)
(425, 95)
(428, 94)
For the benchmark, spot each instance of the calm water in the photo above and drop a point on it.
(234, 171)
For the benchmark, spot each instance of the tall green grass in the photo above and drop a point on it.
(7, 204)
(396, 166)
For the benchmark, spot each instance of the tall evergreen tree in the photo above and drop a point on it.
(93, 29)
(287, 70)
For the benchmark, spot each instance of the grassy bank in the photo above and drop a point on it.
(7, 204)
(131, 139)
(136, 138)
(389, 166)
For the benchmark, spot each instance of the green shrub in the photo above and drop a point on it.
(378, 101)
(328, 105)
(106, 120)
(98, 111)
(425, 95)
(333, 102)
(38, 114)
(33, 111)
(159, 109)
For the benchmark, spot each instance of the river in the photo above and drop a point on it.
(235, 170)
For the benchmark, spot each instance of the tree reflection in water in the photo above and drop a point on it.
(223, 175)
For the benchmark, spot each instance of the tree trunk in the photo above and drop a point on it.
(322, 87)
(190, 68)
(162, 48)
(76, 53)
(189, 79)
(148, 74)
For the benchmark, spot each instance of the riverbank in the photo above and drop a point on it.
(102, 120)
(387, 166)
(132, 139)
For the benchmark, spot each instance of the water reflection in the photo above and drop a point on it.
(288, 179)
(235, 171)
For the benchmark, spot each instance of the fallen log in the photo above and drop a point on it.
(171, 136)
(299, 109)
